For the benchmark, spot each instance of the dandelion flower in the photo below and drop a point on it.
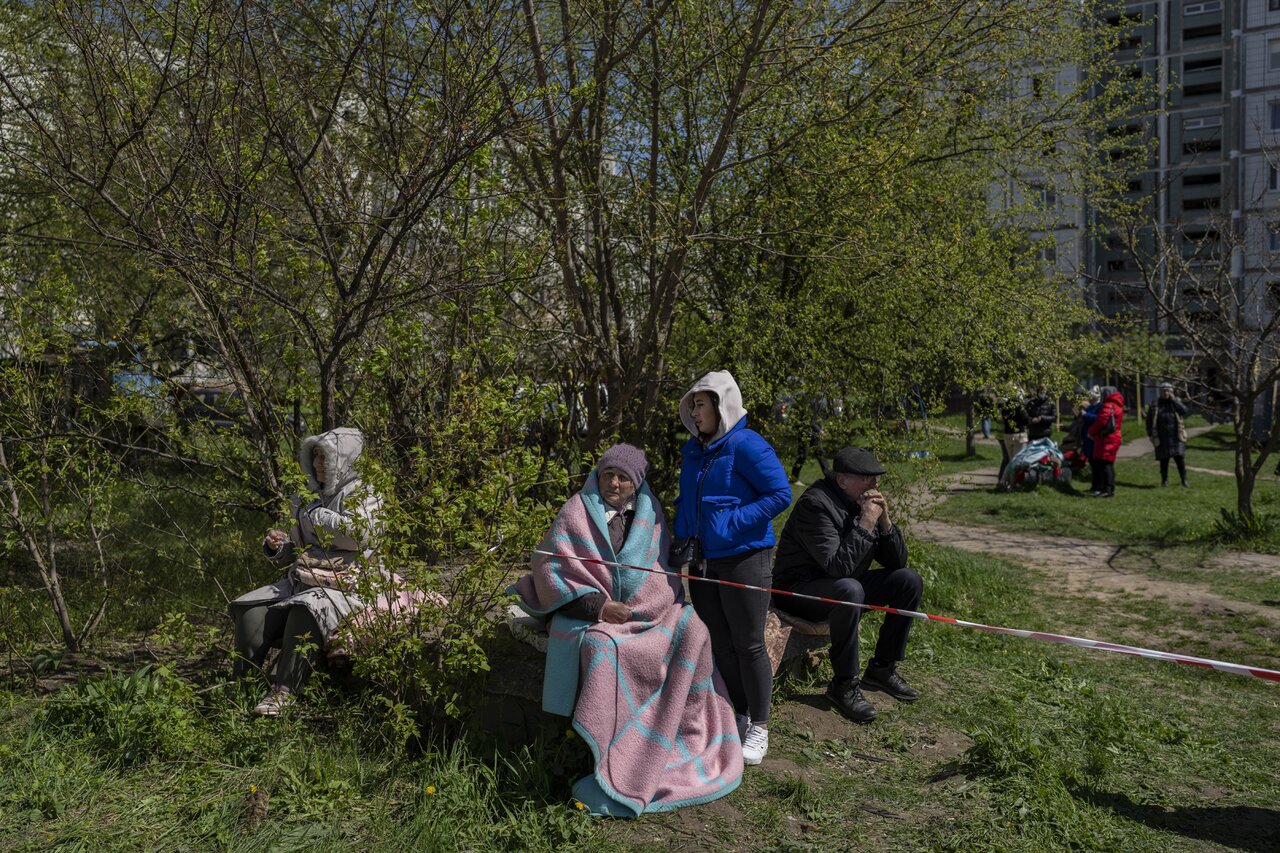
(431, 790)
(253, 789)
(577, 804)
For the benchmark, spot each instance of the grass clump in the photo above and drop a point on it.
(127, 719)
(1049, 757)
(1241, 531)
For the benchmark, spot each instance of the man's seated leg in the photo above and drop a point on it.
(843, 691)
(900, 588)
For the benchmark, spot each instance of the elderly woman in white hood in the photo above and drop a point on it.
(327, 541)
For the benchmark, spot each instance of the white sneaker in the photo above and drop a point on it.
(755, 745)
(744, 723)
(275, 702)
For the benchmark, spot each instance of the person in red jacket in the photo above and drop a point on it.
(1105, 433)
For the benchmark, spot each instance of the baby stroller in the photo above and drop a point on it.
(1039, 462)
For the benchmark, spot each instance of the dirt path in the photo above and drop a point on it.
(1088, 567)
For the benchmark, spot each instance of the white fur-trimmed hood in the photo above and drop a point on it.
(341, 448)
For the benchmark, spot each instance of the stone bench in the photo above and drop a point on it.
(789, 640)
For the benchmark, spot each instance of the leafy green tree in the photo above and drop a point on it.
(292, 167)
(58, 487)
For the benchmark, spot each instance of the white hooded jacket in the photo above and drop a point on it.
(343, 521)
(729, 403)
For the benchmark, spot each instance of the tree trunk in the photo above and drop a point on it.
(328, 395)
(1137, 396)
(1244, 469)
(970, 442)
(1244, 492)
(47, 568)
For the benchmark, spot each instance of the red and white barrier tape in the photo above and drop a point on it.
(1082, 642)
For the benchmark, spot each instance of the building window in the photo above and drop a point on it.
(1049, 197)
(1202, 64)
(1273, 236)
(1202, 8)
(1196, 90)
(1202, 122)
(1207, 31)
(1202, 179)
(1202, 146)
(1273, 5)
(1210, 203)
(1273, 178)
(1275, 114)
(1273, 54)
(1049, 254)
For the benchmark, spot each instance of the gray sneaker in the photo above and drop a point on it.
(274, 703)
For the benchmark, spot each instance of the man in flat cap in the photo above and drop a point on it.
(836, 530)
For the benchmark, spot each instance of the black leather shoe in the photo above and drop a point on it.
(848, 700)
(887, 680)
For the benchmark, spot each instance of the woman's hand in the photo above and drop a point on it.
(615, 612)
(275, 539)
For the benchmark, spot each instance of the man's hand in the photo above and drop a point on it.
(615, 612)
(871, 511)
(874, 497)
(275, 539)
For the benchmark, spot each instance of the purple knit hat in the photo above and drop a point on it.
(628, 459)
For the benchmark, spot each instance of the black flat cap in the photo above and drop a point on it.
(857, 460)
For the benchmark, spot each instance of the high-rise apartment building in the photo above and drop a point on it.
(1214, 68)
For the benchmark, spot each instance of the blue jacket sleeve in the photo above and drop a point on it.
(758, 464)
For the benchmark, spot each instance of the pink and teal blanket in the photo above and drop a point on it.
(649, 702)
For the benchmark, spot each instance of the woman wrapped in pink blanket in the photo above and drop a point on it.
(628, 659)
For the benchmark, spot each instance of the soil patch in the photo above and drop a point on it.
(1085, 567)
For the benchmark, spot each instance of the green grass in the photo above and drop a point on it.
(1141, 512)
(1016, 745)
(1215, 449)
(1161, 532)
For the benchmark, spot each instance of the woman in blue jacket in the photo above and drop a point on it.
(731, 488)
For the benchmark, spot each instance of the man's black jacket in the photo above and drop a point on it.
(1041, 413)
(822, 538)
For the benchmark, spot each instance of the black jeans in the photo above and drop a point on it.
(1107, 484)
(735, 620)
(898, 588)
(1181, 462)
(1097, 475)
(811, 446)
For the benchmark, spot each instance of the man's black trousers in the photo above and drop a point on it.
(898, 588)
